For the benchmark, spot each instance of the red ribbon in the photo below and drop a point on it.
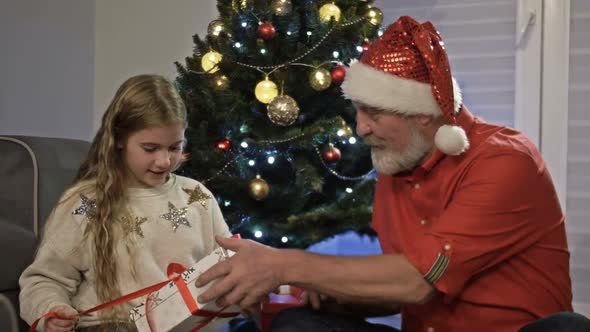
(174, 271)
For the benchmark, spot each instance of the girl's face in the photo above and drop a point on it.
(150, 154)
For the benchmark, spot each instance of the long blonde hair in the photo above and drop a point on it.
(141, 102)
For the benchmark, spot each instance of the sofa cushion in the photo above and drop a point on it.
(17, 250)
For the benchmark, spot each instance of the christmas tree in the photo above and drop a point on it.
(269, 131)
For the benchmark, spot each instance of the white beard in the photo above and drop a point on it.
(387, 161)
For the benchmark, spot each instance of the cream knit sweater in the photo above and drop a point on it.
(62, 272)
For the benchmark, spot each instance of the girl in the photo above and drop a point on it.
(125, 217)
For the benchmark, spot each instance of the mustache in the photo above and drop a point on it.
(372, 140)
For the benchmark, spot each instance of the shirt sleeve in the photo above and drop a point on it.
(504, 204)
(54, 276)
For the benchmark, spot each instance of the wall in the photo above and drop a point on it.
(61, 61)
(47, 68)
(143, 36)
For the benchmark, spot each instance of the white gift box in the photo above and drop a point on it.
(167, 308)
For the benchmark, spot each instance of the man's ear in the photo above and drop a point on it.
(425, 121)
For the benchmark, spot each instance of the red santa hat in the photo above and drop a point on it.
(407, 71)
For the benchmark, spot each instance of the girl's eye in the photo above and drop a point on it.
(149, 149)
(175, 148)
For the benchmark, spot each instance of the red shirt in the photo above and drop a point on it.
(485, 228)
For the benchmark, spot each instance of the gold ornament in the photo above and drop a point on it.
(215, 28)
(197, 195)
(176, 216)
(328, 11)
(283, 110)
(132, 224)
(266, 91)
(259, 188)
(375, 16)
(281, 7)
(210, 60)
(344, 132)
(320, 79)
(220, 82)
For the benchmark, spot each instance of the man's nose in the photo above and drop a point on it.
(362, 126)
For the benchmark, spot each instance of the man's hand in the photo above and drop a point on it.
(66, 323)
(312, 298)
(246, 278)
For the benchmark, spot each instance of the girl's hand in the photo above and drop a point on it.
(65, 324)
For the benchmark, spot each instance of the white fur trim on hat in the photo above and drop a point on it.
(451, 140)
(386, 91)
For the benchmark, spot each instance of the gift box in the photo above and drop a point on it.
(174, 307)
(287, 297)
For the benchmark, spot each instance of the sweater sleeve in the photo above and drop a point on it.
(56, 272)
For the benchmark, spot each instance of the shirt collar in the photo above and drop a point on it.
(465, 119)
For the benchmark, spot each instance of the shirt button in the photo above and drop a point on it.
(447, 247)
(417, 186)
(423, 222)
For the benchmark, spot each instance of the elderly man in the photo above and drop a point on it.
(468, 219)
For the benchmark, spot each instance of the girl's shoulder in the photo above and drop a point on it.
(191, 184)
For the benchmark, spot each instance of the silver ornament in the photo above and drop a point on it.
(283, 110)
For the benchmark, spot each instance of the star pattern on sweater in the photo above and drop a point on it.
(132, 223)
(87, 208)
(176, 216)
(197, 195)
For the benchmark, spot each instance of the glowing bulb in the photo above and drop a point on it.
(266, 91)
(341, 132)
(271, 160)
(238, 44)
(210, 60)
(284, 239)
(335, 54)
(352, 140)
(244, 145)
(227, 203)
(251, 163)
(329, 11)
(359, 49)
(258, 234)
(263, 51)
(349, 190)
(289, 33)
(244, 24)
(309, 33)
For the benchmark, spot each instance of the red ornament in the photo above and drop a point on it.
(332, 154)
(266, 31)
(366, 46)
(224, 145)
(338, 74)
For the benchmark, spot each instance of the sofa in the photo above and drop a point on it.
(34, 171)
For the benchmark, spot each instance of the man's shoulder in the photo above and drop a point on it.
(488, 140)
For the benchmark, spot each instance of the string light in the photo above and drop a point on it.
(244, 145)
(349, 190)
(227, 203)
(359, 49)
(335, 54)
(352, 140)
(271, 160)
(263, 51)
(258, 234)
(251, 162)
(244, 24)
(309, 33)
(284, 239)
(238, 44)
